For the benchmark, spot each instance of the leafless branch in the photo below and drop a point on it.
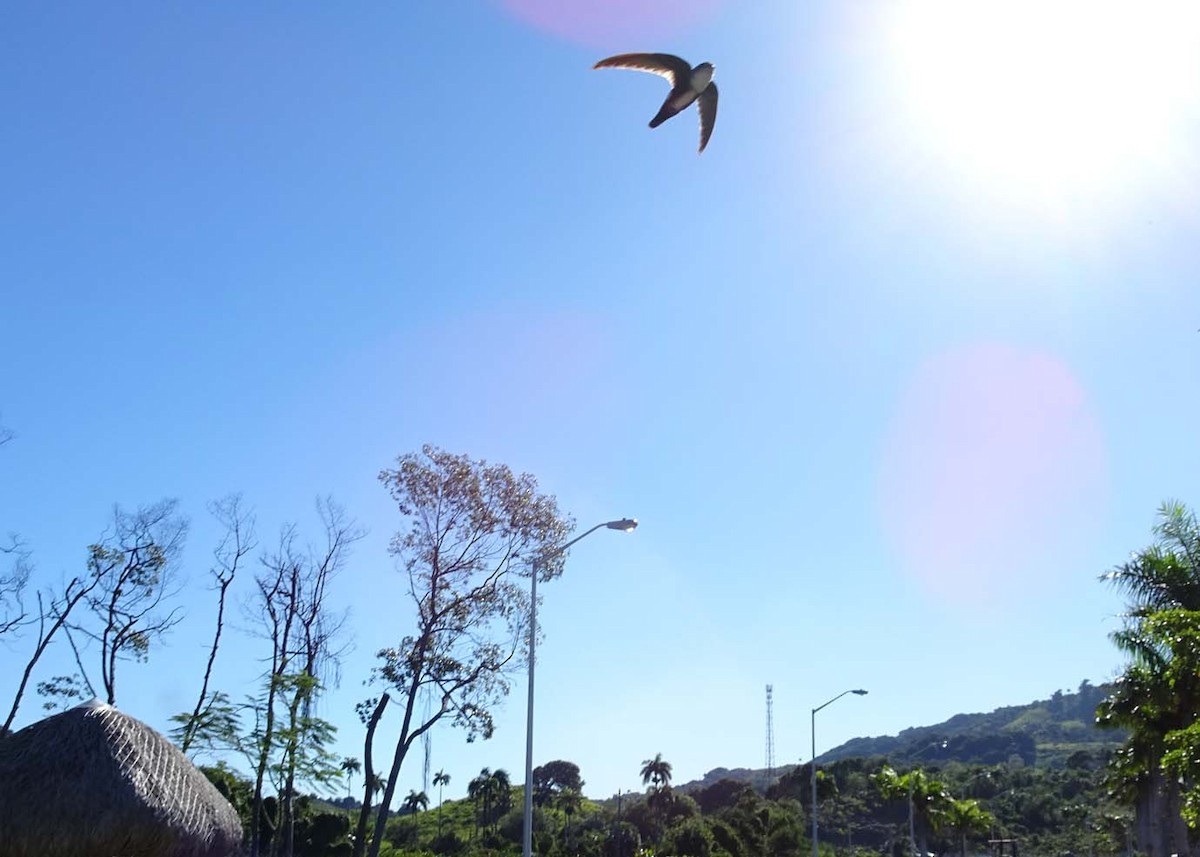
(237, 542)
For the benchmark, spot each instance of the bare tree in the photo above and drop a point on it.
(15, 556)
(59, 612)
(469, 525)
(14, 577)
(318, 657)
(214, 716)
(133, 566)
(293, 613)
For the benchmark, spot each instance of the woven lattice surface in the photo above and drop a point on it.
(94, 782)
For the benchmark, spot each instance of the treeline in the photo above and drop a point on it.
(1045, 731)
(863, 808)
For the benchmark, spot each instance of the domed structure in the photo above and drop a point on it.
(94, 782)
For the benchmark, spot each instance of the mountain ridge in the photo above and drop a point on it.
(1042, 733)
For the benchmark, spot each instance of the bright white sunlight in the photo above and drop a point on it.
(1056, 100)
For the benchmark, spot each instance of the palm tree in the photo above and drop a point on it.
(1149, 700)
(417, 801)
(350, 766)
(656, 771)
(967, 818)
(441, 778)
(569, 801)
(414, 803)
(927, 797)
(500, 792)
(478, 791)
(377, 784)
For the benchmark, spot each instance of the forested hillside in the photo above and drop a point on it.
(1043, 733)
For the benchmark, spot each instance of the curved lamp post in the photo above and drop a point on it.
(625, 525)
(860, 692)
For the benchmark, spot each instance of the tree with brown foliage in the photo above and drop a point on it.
(471, 531)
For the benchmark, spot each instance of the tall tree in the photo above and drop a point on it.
(441, 778)
(471, 529)
(479, 791)
(569, 801)
(294, 616)
(350, 766)
(656, 772)
(552, 778)
(134, 565)
(413, 804)
(369, 711)
(499, 795)
(213, 717)
(1153, 699)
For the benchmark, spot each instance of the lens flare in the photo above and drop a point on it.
(609, 23)
(993, 468)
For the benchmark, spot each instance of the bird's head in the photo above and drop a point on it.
(702, 74)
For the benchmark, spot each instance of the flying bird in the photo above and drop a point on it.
(687, 85)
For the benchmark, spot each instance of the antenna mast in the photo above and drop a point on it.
(770, 738)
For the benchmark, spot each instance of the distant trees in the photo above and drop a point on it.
(491, 792)
(966, 819)
(414, 803)
(552, 778)
(927, 798)
(469, 528)
(569, 800)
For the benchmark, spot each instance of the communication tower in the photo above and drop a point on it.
(770, 738)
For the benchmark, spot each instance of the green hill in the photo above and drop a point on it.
(1044, 733)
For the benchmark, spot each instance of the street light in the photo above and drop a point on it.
(625, 525)
(860, 692)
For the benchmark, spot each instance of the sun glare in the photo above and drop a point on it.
(1060, 98)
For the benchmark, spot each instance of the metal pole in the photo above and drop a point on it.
(814, 781)
(625, 525)
(527, 838)
(858, 692)
(912, 830)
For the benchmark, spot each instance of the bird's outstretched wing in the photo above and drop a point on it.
(707, 104)
(674, 69)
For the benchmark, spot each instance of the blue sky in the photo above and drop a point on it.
(889, 374)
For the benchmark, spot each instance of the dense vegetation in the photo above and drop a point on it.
(1035, 773)
(1049, 810)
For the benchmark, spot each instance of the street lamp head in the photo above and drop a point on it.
(859, 692)
(625, 525)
